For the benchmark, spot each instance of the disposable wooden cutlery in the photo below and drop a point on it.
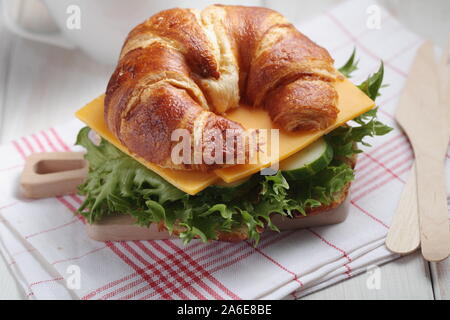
(404, 235)
(422, 115)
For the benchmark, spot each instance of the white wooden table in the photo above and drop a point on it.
(41, 86)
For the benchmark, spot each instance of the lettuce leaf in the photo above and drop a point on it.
(345, 139)
(350, 66)
(118, 184)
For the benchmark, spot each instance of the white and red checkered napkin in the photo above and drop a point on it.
(46, 245)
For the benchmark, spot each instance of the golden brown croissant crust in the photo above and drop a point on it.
(183, 69)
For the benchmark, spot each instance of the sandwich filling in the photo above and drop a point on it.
(117, 183)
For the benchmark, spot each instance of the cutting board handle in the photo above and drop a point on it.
(51, 174)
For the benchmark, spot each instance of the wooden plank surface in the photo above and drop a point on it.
(441, 279)
(405, 278)
(41, 86)
(10, 289)
(6, 43)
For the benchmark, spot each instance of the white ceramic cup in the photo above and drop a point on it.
(99, 27)
(430, 19)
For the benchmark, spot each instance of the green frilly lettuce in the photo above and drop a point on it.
(117, 183)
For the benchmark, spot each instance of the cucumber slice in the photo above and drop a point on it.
(308, 162)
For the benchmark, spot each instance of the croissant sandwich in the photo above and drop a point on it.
(186, 71)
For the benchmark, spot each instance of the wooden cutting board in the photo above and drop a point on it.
(50, 174)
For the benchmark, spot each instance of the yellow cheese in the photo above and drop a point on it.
(190, 182)
(352, 103)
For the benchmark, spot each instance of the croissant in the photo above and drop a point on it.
(185, 69)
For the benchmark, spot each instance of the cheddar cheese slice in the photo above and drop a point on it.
(191, 182)
(352, 103)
